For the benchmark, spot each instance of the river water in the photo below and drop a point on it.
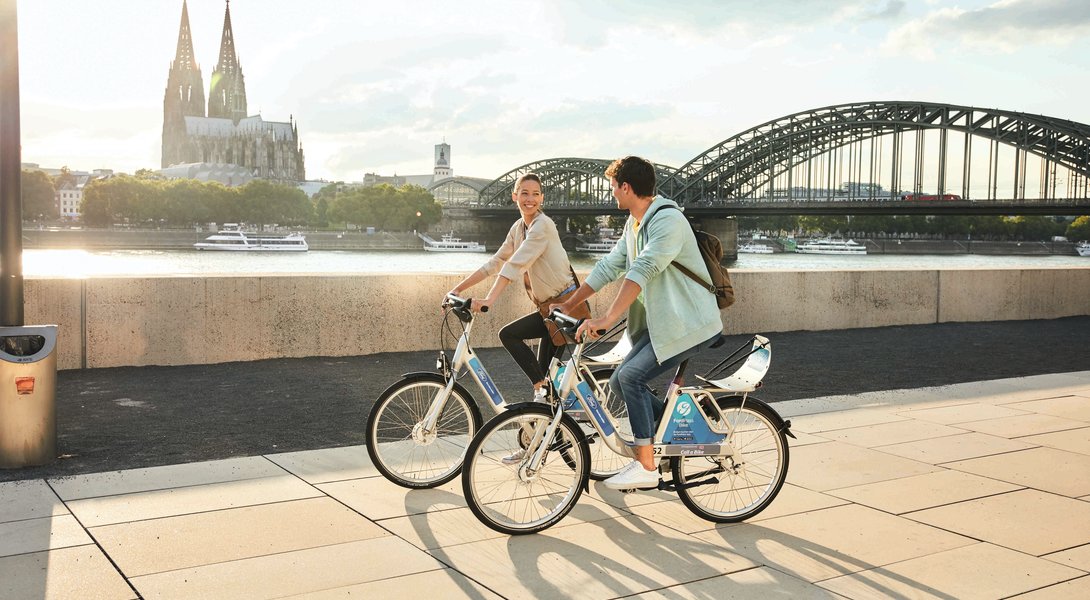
(109, 263)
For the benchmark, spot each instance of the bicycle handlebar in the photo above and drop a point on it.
(568, 324)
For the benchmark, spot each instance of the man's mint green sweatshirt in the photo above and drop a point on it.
(676, 311)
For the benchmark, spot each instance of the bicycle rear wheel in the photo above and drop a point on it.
(508, 497)
(402, 451)
(735, 488)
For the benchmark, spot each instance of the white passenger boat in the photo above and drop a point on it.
(604, 247)
(449, 243)
(752, 248)
(232, 239)
(1083, 248)
(830, 246)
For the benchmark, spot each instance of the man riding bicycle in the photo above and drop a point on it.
(670, 317)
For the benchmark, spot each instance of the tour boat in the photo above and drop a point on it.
(449, 243)
(1083, 248)
(597, 247)
(830, 246)
(752, 248)
(233, 239)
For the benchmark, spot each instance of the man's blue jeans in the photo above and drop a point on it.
(630, 382)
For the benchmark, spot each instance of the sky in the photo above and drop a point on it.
(375, 85)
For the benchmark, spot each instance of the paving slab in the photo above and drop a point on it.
(898, 496)
(951, 448)
(378, 499)
(62, 574)
(963, 413)
(1076, 588)
(30, 499)
(327, 464)
(193, 540)
(1078, 558)
(45, 533)
(291, 573)
(823, 467)
(429, 585)
(160, 478)
(977, 571)
(884, 434)
(1068, 407)
(754, 584)
(1029, 521)
(831, 542)
(93, 512)
(1047, 469)
(1023, 425)
(603, 559)
(1071, 440)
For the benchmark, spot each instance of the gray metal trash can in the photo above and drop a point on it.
(28, 390)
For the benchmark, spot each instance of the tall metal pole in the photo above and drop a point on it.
(11, 204)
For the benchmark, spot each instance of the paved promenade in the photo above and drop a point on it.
(970, 490)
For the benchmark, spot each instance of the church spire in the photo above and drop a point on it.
(184, 95)
(227, 95)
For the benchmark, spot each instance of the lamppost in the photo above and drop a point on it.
(417, 222)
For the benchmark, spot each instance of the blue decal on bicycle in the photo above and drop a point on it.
(687, 424)
(595, 408)
(485, 380)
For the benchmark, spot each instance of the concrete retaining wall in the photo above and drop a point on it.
(112, 322)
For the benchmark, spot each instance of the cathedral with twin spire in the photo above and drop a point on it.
(225, 134)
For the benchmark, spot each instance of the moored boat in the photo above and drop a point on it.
(754, 248)
(604, 247)
(830, 246)
(449, 243)
(1083, 248)
(232, 239)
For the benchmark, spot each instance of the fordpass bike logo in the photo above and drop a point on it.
(684, 408)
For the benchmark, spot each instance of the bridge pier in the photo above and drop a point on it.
(724, 228)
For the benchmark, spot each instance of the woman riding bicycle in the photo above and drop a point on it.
(532, 254)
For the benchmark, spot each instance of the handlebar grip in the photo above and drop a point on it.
(601, 332)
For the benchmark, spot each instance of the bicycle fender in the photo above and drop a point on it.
(780, 423)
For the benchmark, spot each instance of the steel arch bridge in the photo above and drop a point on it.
(871, 157)
(572, 185)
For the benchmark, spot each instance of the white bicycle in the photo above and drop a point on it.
(726, 451)
(419, 428)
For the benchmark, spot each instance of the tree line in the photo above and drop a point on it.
(985, 227)
(146, 198)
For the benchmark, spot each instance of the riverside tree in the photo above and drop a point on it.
(39, 197)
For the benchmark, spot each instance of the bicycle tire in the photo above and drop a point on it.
(742, 485)
(418, 462)
(506, 498)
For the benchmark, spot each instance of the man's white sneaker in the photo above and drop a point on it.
(514, 458)
(633, 476)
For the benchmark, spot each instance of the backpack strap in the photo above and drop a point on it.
(708, 286)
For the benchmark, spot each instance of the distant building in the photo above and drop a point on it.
(228, 174)
(441, 170)
(226, 133)
(69, 194)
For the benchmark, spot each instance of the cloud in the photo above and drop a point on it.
(1005, 26)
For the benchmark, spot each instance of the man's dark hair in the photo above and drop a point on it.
(636, 172)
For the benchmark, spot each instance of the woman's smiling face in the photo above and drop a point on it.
(528, 197)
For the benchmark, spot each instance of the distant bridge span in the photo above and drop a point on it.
(860, 158)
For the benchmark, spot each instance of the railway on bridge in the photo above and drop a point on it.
(861, 158)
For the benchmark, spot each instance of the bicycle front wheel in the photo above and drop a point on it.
(501, 488)
(734, 488)
(399, 446)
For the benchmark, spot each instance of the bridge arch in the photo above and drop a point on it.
(879, 147)
(458, 191)
(577, 183)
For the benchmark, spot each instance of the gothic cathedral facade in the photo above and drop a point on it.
(225, 134)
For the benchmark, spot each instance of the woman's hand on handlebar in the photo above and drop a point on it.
(482, 305)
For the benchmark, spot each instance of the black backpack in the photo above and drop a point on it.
(711, 250)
